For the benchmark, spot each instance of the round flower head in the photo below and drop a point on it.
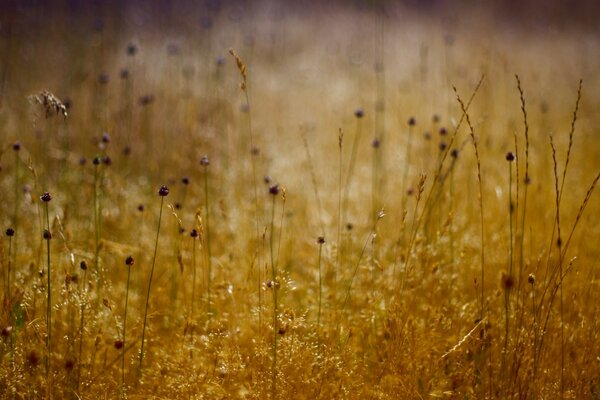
(97, 160)
(274, 190)
(129, 261)
(454, 153)
(412, 121)
(163, 191)
(510, 157)
(10, 232)
(204, 161)
(194, 233)
(359, 113)
(83, 265)
(321, 240)
(47, 234)
(46, 197)
(16, 146)
(185, 180)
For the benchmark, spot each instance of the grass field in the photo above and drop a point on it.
(309, 201)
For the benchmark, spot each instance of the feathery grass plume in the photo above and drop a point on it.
(50, 104)
(527, 179)
(163, 191)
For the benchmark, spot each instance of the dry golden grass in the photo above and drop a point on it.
(341, 247)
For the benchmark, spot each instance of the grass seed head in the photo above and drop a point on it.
(16, 146)
(510, 156)
(10, 232)
(129, 261)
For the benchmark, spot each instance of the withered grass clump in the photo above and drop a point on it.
(481, 282)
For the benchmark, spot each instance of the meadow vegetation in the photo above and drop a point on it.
(270, 202)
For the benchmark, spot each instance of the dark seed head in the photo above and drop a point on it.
(274, 190)
(443, 131)
(105, 138)
(178, 206)
(412, 121)
(46, 197)
(321, 240)
(267, 179)
(118, 344)
(82, 161)
(107, 160)
(32, 358)
(349, 226)
(10, 232)
(204, 161)
(442, 146)
(146, 99)
(510, 157)
(181, 230)
(255, 151)
(124, 73)
(83, 265)
(194, 233)
(47, 234)
(507, 281)
(97, 160)
(454, 153)
(140, 208)
(163, 191)
(185, 180)
(436, 118)
(6, 331)
(131, 49)
(359, 113)
(16, 146)
(69, 364)
(559, 242)
(129, 261)
(376, 143)
(531, 279)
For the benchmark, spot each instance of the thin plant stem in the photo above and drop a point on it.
(275, 305)
(125, 332)
(148, 292)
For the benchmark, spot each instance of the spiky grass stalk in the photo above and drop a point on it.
(482, 313)
(162, 192)
(526, 180)
(313, 179)
(339, 226)
(129, 262)
(244, 87)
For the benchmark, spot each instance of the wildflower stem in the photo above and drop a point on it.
(148, 292)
